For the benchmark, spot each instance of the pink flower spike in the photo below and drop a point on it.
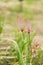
(28, 26)
(20, 24)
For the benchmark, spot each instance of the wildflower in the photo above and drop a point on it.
(36, 44)
(33, 50)
(28, 26)
(20, 24)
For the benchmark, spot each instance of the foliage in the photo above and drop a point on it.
(1, 28)
(21, 47)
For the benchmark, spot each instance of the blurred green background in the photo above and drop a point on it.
(30, 9)
(10, 9)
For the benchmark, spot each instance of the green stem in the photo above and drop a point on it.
(30, 48)
(27, 55)
(28, 52)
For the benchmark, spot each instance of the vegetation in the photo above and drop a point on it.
(20, 20)
(1, 28)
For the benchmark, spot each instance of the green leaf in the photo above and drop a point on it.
(1, 28)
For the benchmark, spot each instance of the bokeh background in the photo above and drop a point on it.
(9, 10)
(30, 9)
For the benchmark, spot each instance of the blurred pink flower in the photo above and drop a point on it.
(20, 24)
(27, 25)
(36, 45)
(34, 50)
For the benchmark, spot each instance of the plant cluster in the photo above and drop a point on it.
(27, 54)
(23, 46)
